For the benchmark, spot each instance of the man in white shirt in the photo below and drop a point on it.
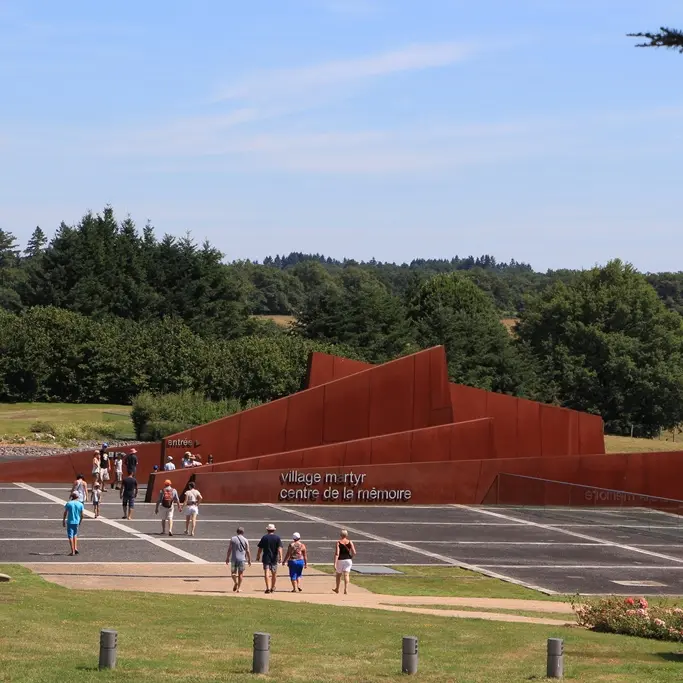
(169, 463)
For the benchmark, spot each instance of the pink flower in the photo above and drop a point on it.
(659, 622)
(643, 603)
(630, 612)
(630, 601)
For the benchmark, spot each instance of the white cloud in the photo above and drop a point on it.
(286, 83)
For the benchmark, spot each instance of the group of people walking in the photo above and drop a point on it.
(295, 558)
(270, 550)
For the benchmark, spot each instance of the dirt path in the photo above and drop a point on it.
(214, 579)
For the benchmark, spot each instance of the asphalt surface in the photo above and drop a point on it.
(578, 550)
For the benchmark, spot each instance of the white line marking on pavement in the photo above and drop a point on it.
(133, 532)
(582, 566)
(404, 546)
(575, 534)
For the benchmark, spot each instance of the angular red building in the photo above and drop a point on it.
(396, 433)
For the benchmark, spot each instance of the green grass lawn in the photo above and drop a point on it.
(444, 582)
(51, 634)
(563, 616)
(18, 418)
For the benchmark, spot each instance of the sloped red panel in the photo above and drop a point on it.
(262, 430)
(608, 474)
(472, 440)
(433, 444)
(324, 456)
(559, 468)
(591, 436)
(503, 410)
(391, 397)
(465, 482)
(282, 461)
(573, 436)
(320, 369)
(346, 408)
(528, 428)
(468, 403)
(440, 403)
(422, 398)
(358, 453)
(390, 449)
(344, 367)
(634, 479)
(662, 474)
(305, 420)
(555, 426)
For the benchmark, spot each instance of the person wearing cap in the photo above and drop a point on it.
(238, 554)
(187, 459)
(296, 560)
(270, 553)
(169, 466)
(168, 497)
(132, 462)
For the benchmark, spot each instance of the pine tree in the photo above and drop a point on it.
(669, 38)
(36, 243)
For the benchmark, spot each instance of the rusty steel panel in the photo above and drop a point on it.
(393, 448)
(320, 369)
(262, 429)
(391, 397)
(432, 444)
(468, 403)
(528, 428)
(555, 426)
(305, 420)
(503, 410)
(591, 435)
(347, 408)
(472, 440)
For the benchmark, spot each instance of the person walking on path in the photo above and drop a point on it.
(71, 520)
(191, 504)
(118, 469)
(344, 553)
(132, 462)
(168, 497)
(297, 560)
(270, 553)
(95, 467)
(105, 466)
(128, 494)
(96, 497)
(238, 555)
(80, 487)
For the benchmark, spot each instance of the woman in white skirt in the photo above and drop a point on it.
(344, 553)
(192, 500)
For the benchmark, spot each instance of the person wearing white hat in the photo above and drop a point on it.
(169, 463)
(270, 553)
(297, 560)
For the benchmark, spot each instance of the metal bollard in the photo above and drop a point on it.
(108, 643)
(555, 668)
(409, 661)
(261, 653)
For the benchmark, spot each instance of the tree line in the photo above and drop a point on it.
(103, 311)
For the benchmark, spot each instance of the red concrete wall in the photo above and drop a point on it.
(64, 468)
(408, 393)
(458, 481)
(462, 441)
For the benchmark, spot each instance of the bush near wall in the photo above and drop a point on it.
(631, 616)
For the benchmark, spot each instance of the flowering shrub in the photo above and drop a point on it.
(630, 616)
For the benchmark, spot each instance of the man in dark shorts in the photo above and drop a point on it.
(132, 462)
(270, 553)
(129, 491)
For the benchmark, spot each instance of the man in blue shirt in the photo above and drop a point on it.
(270, 552)
(73, 515)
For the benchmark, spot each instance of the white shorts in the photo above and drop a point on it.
(344, 566)
(191, 510)
(168, 514)
(104, 473)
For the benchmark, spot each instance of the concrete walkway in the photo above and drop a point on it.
(214, 579)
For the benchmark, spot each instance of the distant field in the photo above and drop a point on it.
(625, 444)
(282, 320)
(510, 324)
(18, 418)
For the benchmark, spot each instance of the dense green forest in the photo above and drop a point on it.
(102, 311)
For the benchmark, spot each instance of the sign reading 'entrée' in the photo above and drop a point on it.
(339, 488)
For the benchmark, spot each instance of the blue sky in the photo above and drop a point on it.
(392, 129)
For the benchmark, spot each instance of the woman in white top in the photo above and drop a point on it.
(192, 500)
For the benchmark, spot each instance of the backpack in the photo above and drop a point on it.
(167, 498)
